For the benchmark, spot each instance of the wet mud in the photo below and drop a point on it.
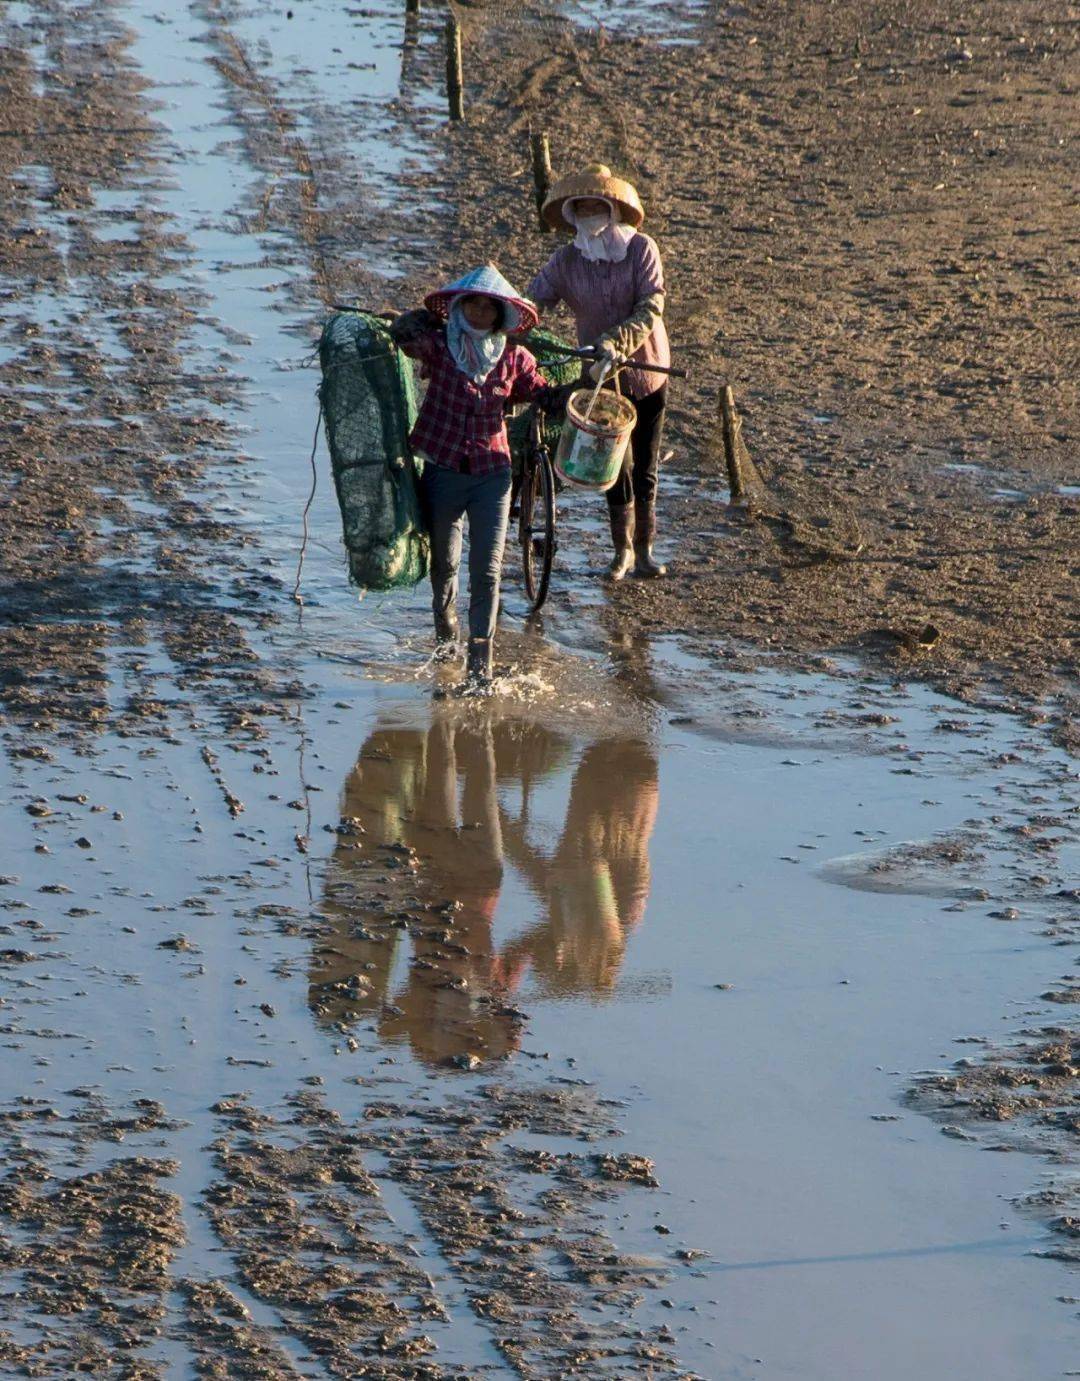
(1024, 1097)
(110, 553)
(517, 1225)
(866, 221)
(354, 1031)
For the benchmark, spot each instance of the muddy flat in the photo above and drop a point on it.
(702, 1003)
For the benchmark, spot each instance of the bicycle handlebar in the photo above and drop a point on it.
(586, 352)
(590, 352)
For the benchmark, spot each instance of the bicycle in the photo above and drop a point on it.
(532, 497)
(533, 501)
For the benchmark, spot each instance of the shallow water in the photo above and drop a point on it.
(610, 877)
(664, 23)
(664, 862)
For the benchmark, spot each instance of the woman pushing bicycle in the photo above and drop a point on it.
(611, 278)
(474, 374)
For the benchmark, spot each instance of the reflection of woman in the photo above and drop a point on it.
(437, 791)
(597, 881)
(404, 790)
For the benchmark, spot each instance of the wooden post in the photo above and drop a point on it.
(454, 79)
(729, 430)
(409, 41)
(541, 167)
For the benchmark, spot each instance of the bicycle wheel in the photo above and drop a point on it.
(537, 526)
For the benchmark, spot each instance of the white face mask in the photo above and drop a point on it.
(593, 225)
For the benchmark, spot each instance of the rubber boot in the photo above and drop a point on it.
(622, 539)
(644, 535)
(446, 634)
(478, 663)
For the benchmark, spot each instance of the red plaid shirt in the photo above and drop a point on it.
(462, 425)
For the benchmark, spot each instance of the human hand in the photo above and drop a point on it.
(410, 325)
(607, 361)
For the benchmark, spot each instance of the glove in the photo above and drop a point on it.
(409, 325)
(605, 365)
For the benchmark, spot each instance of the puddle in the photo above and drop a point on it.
(669, 24)
(662, 906)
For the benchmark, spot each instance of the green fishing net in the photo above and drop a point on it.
(369, 407)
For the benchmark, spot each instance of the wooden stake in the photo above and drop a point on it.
(409, 41)
(729, 430)
(454, 79)
(541, 167)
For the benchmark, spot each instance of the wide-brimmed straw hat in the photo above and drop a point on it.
(488, 281)
(595, 180)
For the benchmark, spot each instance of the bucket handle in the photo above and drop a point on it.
(596, 391)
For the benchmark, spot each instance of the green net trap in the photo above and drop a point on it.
(369, 405)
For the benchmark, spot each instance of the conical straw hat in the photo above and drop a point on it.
(490, 283)
(595, 180)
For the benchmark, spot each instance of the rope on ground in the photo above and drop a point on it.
(297, 597)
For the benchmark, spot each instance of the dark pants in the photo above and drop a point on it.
(641, 468)
(448, 498)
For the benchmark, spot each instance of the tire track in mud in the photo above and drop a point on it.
(517, 1227)
(315, 189)
(519, 1224)
(303, 215)
(107, 430)
(305, 1226)
(91, 1252)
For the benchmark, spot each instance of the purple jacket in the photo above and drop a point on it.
(601, 295)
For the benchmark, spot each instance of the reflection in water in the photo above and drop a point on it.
(454, 804)
(595, 884)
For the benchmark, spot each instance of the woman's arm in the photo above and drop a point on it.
(546, 287)
(529, 385)
(630, 334)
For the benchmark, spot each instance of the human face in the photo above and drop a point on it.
(591, 206)
(480, 312)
